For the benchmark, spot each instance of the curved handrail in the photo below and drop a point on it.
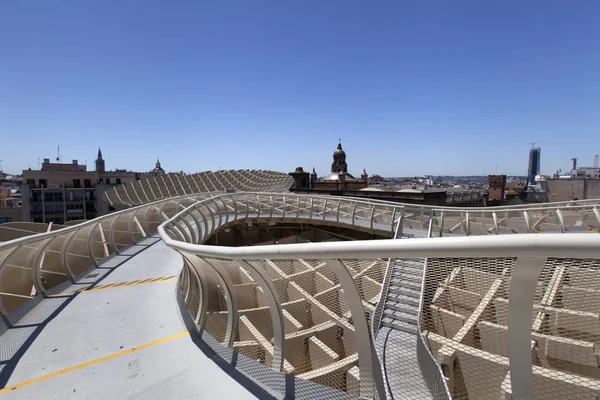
(521, 247)
(214, 212)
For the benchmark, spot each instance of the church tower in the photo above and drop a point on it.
(339, 160)
(100, 162)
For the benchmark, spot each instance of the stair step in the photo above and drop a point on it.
(411, 301)
(408, 277)
(408, 271)
(399, 325)
(406, 283)
(404, 291)
(400, 316)
(405, 308)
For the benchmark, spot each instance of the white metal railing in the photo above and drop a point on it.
(530, 254)
(31, 267)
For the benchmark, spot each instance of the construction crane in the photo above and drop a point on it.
(1, 166)
(533, 144)
(574, 159)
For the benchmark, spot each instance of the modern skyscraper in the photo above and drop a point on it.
(534, 164)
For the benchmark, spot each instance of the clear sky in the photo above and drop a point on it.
(412, 88)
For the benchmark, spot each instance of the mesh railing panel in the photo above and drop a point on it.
(16, 276)
(465, 321)
(52, 267)
(320, 339)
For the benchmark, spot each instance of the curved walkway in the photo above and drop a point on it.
(123, 337)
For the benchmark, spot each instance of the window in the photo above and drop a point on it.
(118, 181)
(108, 181)
(43, 183)
(76, 183)
(31, 182)
(87, 183)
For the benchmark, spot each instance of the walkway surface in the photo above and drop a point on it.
(122, 338)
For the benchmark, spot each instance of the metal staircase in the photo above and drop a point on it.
(401, 309)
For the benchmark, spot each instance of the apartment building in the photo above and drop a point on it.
(62, 192)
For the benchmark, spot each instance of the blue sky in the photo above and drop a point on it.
(412, 88)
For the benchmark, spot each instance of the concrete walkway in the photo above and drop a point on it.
(123, 338)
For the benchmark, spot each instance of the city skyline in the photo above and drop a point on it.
(434, 89)
(322, 167)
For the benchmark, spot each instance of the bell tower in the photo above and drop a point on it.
(100, 167)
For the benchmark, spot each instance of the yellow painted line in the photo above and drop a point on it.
(91, 363)
(118, 285)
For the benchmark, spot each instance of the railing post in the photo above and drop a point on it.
(597, 213)
(276, 315)
(495, 217)
(325, 209)
(372, 218)
(111, 233)
(218, 211)
(369, 382)
(258, 210)
(190, 212)
(393, 219)
(272, 205)
(523, 285)
(227, 213)
(338, 211)
(231, 300)
(35, 270)
(191, 236)
(205, 220)
(247, 205)
(200, 316)
(467, 224)
(561, 220)
(65, 258)
(284, 208)
(400, 228)
(185, 274)
(235, 207)
(527, 221)
(312, 203)
(430, 229)
(354, 212)
(441, 223)
(90, 244)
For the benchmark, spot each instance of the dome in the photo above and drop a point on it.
(335, 176)
(339, 151)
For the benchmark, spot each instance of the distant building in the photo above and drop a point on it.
(157, 171)
(496, 188)
(338, 180)
(534, 164)
(62, 192)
